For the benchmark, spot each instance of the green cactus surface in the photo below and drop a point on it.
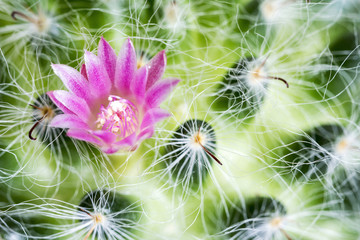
(250, 132)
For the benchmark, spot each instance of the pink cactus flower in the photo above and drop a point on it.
(111, 102)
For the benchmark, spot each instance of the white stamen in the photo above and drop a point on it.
(120, 116)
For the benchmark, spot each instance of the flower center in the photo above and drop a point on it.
(99, 218)
(120, 117)
(198, 139)
(48, 113)
(41, 22)
(172, 13)
(342, 146)
(142, 59)
(42, 114)
(257, 76)
(276, 222)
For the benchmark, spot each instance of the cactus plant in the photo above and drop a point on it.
(179, 119)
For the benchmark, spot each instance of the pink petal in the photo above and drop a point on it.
(145, 134)
(73, 80)
(138, 86)
(107, 57)
(150, 119)
(75, 104)
(84, 135)
(107, 137)
(153, 116)
(129, 141)
(58, 103)
(100, 83)
(156, 68)
(110, 150)
(83, 71)
(159, 91)
(68, 121)
(125, 67)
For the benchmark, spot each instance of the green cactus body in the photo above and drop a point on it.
(258, 140)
